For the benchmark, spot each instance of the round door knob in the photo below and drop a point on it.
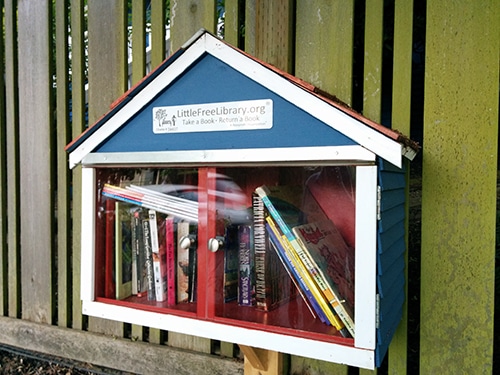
(186, 241)
(215, 244)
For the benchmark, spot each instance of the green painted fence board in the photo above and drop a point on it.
(231, 25)
(459, 187)
(324, 45)
(401, 114)
(372, 88)
(158, 32)
(138, 40)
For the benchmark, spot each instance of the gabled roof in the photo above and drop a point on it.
(208, 70)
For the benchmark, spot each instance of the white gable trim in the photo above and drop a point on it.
(374, 141)
(285, 155)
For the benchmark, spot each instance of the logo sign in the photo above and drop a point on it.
(241, 115)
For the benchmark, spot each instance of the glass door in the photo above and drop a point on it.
(282, 247)
(147, 238)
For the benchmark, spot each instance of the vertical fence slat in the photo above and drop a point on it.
(138, 71)
(158, 43)
(459, 187)
(372, 87)
(372, 90)
(324, 45)
(324, 42)
(12, 139)
(78, 80)
(138, 40)
(250, 6)
(63, 137)
(231, 22)
(35, 151)
(107, 81)
(3, 181)
(274, 38)
(401, 114)
(187, 17)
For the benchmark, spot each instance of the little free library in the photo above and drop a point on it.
(224, 198)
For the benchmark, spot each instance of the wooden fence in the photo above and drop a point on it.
(428, 69)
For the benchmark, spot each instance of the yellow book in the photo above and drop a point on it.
(307, 278)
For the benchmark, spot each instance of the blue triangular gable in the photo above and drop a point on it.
(210, 80)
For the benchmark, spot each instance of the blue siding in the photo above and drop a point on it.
(210, 80)
(391, 248)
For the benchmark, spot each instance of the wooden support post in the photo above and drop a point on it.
(261, 361)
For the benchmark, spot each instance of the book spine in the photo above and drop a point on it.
(260, 248)
(295, 249)
(170, 259)
(182, 264)
(287, 258)
(109, 283)
(245, 282)
(230, 282)
(134, 254)
(158, 250)
(149, 260)
(329, 290)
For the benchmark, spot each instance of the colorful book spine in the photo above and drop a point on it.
(273, 284)
(148, 260)
(182, 264)
(138, 248)
(134, 235)
(159, 256)
(295, 248)
(170, 259)
(245, 279)
(230, 282)
(327, 256)
(286, 257)
(123, 251)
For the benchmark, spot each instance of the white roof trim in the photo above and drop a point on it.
(325, 154)
(374, 141)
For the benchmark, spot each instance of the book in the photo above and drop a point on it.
(290, 241)
(157, 229)
(333, 261)
(245, 261)
(170, 259)
(182, 263)
(109, 271)
(151, 198)
(123, 250)
(138, 253)
(230, 279)
(148, 264)
(287, 258)
(273, 283)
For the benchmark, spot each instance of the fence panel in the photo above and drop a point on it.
(337, 46)
(459, 187)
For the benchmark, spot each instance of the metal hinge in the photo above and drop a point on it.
(379, 197)
(377, 310)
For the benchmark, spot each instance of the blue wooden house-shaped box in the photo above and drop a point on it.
(212, 123)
